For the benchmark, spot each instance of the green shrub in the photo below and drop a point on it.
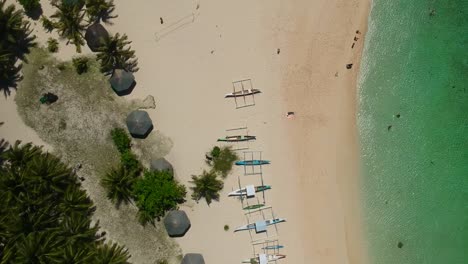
(215, 152)
(52, 45)
(226, 228)
(81, 64)
(121, 139)
(223, 160)
(156, 193)
(30, 5)
(130, 161)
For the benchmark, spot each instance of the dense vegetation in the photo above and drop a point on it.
(207, 185)
(15, 42)
(45, 216)
(156, 193)
(81, 64)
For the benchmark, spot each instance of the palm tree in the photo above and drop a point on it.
(100, 10)
(18, 156)
(9, 75)
(112, 254)
(118, 184)
(77, 229)
(76, 200)
(206, 186)
(15, 33)
(72, 254)
(35, 247)
(115, 55)
(69, 23)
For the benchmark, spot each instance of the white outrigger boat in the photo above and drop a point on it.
(242, 93)
(264, 258)
(260, 226)
(249, 190)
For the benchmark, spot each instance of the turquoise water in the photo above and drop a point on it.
(415, 168)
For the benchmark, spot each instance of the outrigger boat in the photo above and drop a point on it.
(252, 162)
(254, 206)
(260, 226)
(264, 258)
(249, 190)
(242, 93)
(273, 247)
(237, 138)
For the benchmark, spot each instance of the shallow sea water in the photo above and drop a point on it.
(415, 167)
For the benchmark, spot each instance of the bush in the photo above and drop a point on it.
(226, 228)
(30, 5)
(52, 45)
(223, 160)
(121, 139)
(130, 162)
(156, 193)
(81, 64)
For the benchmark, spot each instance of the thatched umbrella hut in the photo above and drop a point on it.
(95, 36)
(139, 124)
(161, 165)
(193, 258)
(177, 223)
(122, 82)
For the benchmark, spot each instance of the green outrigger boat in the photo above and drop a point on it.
(237, 138)
(254, 206)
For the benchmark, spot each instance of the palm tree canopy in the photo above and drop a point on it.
(15, 32)
(69, 22)
(116, 54)
(100, 10)
(206, 186)
(45, 216)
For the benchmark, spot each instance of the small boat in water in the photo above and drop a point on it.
(260, 226)
(264, 258)
(242, 93)
(237, 138)
(249, 190)
(252, 162)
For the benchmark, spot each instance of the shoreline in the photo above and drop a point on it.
(336, 132)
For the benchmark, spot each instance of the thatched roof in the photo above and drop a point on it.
(139, 124)
(96, 36)
(122, 82)
(193, 258)
(161, 165)
(176, 223)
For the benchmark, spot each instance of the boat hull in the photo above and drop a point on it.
(237, 139)
(240, 94)
(252, 162)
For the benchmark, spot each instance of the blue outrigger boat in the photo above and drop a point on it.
(252, 162)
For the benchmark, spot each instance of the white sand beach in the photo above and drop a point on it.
(189, 63)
